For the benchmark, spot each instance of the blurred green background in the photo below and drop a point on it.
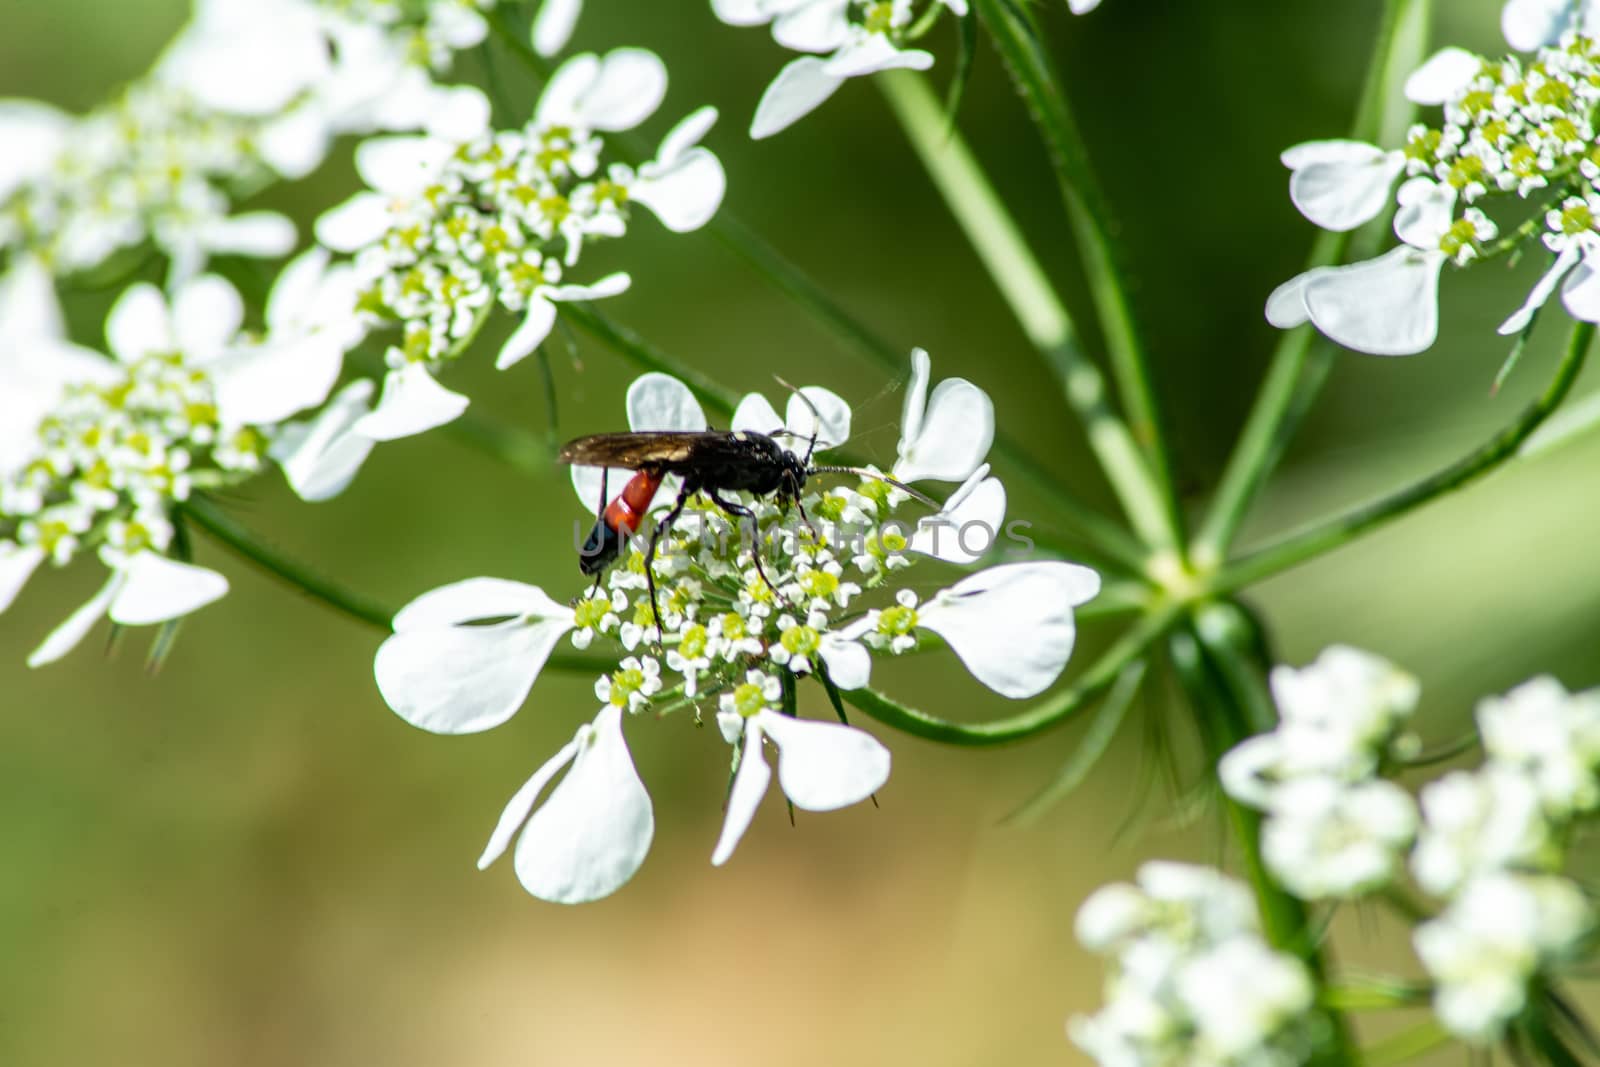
(247, 860)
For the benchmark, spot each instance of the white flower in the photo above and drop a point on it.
(541, 315)
(1550, 736)
(594, 829)
(943, 437)
(1182, 902)
(464, 656)
(1388, 306)
(552, 26)
(1479, 822)
(1443, 76)
(1082, 7)
(1326, 838)
(822, 766)
(655, 401)
(1530, 24)
(144, 588)
(1337, 717)
(321, 456)
(1494, 937)
(1340, 185)
(1240, 995)
(35, 134)
(685, 183)
(812, 410)
(247, 57)
(968, 524)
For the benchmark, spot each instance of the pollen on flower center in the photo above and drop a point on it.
(748, 699)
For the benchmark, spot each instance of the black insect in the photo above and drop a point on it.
(714, 462)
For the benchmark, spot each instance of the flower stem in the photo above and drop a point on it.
(1017, 38)
(998, 240)
(1302, 359)
(1323, 537)
(205, 514)
(1048, 713)
(222, 526)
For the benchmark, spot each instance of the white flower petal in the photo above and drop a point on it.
(1442, 77)
(464, 679)
(817, 26)
(159, 589)
(685, 193)
(1340, 185)
(536, 325)
(354, 224)
(520, 806)
(969, 523)
(296, 290)
(848, 661)
(827, 415)
(1082, 7)
(742, 12)
(259, 234)
(1387, 306)
(915, 405)
(478, 600)
(594, 831)
(659, 401)
(66, 637)
(320, 458)
(457, 114)
(140, 323)
(616, 92)
(690, 131)
(799, 89)
(1581, 295)
(412, 403)
(206, 314)
(1012, 625)
(295, 144)
(1286, 307)
(17, 564)
(756, 413)
(34, 134)
(402, 166)
(873, 54)
(553, 25)
(1423, 217)
(953, 435)
(611, 285)
(247, 58)
(1530, 24)
(823, 766)
(749, 786)
(1539, 295)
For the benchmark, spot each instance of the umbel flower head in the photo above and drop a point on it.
(1512, 129)
(249, 91)
(97, 453)
(455, 225)
(750, 604)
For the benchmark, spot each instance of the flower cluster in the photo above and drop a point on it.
(249, 92)
(97, 453)
(1333, 827)
(752, 595)
(453, 226)
(1512, 129)
(1490, 842)
(1191, 979)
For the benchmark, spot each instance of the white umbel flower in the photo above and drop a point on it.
(1479, 822)
(1552, 737)
(1326, 838)
(945, 436)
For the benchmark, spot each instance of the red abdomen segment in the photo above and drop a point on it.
(626, 512)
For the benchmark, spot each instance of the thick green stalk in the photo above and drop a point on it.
(1047, 713)
(998, 240)
(1302, 358)
(1089, 214)
(1229, 694)
(1503, 446)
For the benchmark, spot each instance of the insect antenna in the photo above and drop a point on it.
(816, 417)
(865, 473)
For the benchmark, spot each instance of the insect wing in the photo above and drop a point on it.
(634, 450)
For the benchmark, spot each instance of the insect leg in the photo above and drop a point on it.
(600, 518)
(739, 511)
(650, 553)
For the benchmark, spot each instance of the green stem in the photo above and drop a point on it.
(205, 514)
(1050, 712)
(1302, 359)
(515, 447)
(1407, 1045)
(998, 240)
(789, 280)
(1089, 215)
(222, 526)
(1321, 538)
